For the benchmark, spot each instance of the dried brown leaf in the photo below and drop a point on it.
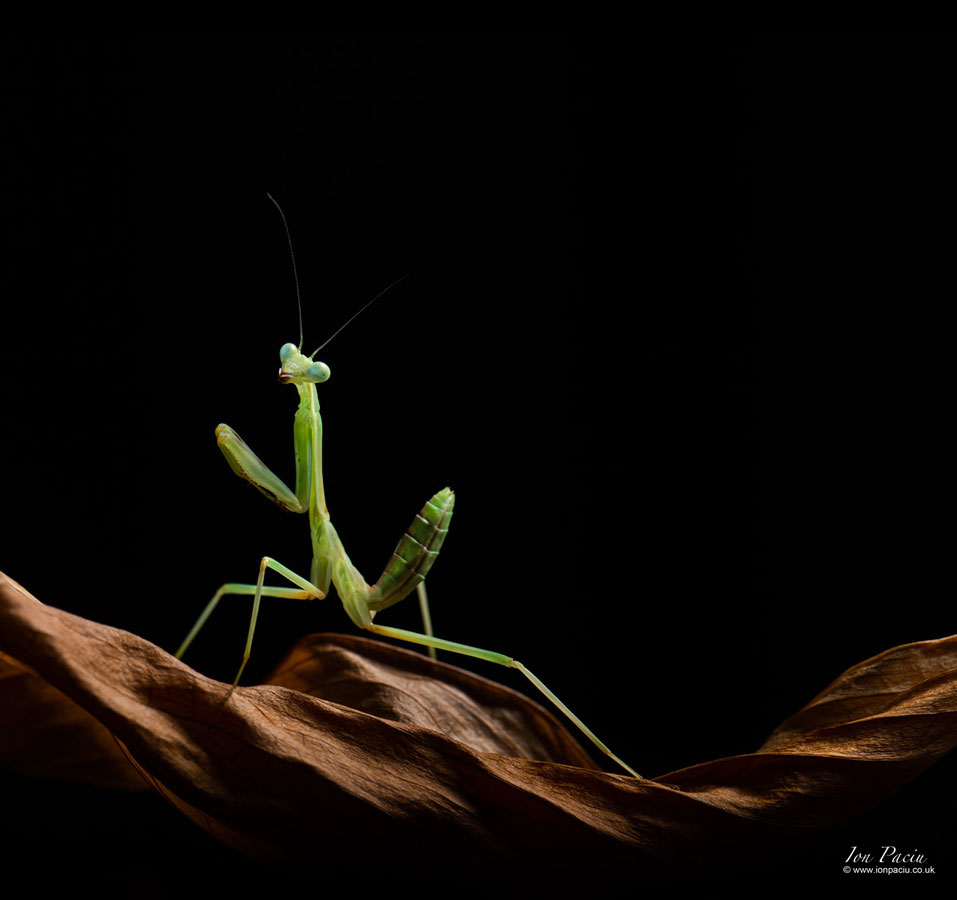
(359, 744)
(45, 733)
(393, 683)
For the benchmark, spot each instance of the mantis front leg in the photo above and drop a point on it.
(247, 465)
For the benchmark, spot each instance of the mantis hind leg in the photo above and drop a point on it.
(502, 660)
(426, 615)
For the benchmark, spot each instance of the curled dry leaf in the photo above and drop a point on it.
(396, 684)
(358, 743)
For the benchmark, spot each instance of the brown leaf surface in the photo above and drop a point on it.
(359, 743)
(392, 683)
(44, 733)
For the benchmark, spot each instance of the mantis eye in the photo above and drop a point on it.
(287, 351)
(318, 371)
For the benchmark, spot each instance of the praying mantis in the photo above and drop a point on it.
(411, 561)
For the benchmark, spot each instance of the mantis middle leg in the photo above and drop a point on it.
(305, 591)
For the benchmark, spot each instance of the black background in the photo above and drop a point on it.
(676, 332)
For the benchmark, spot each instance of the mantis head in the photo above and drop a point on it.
(299, 369)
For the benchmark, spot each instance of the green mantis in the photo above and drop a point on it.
(410, 563)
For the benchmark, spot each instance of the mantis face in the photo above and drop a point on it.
(299, 369)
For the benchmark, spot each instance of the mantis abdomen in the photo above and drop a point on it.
(415, 552)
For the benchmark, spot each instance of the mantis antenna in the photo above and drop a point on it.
(295, 276)
(362, 310)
